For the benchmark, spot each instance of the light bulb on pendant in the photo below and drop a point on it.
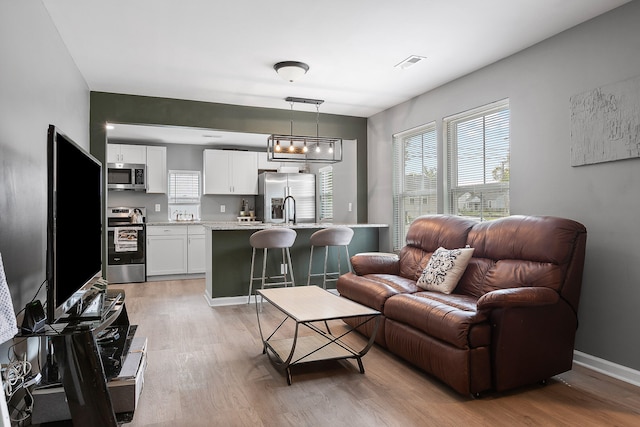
(291, 148)
(304, 148)
(317, 148)
(331, 148)
(278, 148)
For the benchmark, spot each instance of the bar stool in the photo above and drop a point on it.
(332, 236)
(272, 238)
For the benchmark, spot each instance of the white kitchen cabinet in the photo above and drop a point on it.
(196, 249)
(167, 250)
(265, 164)
(156, 169)
(123, 153)
(230, 172)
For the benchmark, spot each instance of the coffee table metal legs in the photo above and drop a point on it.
(321, 345)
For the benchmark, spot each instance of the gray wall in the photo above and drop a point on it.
(539, 82)
(39, 85)
(179, 157)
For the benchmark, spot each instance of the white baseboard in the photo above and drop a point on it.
(222, 301)
(165, 277)
(606, 367)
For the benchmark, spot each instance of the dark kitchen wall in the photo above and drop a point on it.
(119, 108)
(39, 85)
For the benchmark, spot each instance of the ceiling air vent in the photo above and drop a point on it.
(410, 61)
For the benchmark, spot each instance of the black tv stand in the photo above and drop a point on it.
(87, 352)
(94, 307)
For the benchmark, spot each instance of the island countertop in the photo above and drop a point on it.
(258, 225)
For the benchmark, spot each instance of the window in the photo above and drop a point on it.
(477, 179)
(326, 193)
(415, 189)
(184, 194)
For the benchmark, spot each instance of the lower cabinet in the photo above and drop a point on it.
(175, 249)
(166, 250)
(195, 257)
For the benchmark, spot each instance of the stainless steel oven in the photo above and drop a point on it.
(126, 245)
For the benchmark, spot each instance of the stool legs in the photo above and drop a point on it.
(290, 268)
(253, 258)
(310, 262)
(286, 259)
(324, 273)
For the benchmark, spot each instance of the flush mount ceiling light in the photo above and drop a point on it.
(294, 148)
(291, 70)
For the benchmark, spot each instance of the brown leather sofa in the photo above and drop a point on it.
(511, 319)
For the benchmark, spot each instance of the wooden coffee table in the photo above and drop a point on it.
(307, 306)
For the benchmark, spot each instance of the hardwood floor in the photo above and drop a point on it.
(206, 368)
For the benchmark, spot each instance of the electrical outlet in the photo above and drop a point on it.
(223, 208)
(157, 207)
(283, 268)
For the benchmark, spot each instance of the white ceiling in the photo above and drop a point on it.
(224, 51)
(163, 135)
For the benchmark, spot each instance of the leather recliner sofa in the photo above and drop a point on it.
(510, 321)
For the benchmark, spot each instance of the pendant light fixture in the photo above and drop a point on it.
(314, 149)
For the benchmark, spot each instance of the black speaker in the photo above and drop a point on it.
(34, 318)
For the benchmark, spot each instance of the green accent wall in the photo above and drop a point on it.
(133, 109)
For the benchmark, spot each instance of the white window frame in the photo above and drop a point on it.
(187, 205)
(414, 194)
(489, 194)
(325, 193)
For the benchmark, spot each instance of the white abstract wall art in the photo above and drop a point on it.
(605, 123)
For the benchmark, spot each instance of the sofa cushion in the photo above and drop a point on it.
(450, 318)
(444, 269)
(375, 263)
(428, 233)
(373, 290)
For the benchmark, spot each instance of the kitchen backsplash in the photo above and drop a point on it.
(210, 206)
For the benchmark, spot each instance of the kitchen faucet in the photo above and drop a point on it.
(284, 205)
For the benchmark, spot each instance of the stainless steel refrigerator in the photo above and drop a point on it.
(273, 189)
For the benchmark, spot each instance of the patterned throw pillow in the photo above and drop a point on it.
(444, 269)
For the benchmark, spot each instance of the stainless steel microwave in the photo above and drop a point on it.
(126, 176)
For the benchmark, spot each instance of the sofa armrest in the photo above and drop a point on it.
(375, 263)
(518, 297)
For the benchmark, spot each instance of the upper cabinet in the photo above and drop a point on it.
(123, 153)
(230, 172)
(156, 169)
(265, 164)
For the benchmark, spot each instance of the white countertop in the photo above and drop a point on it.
(256, 225)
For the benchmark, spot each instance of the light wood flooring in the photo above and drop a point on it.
(206, 368)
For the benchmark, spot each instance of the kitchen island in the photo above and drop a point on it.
(228, 255)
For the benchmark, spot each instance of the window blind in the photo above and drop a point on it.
(478, 154)
(415, 185)
(184, 187)
(326, 193)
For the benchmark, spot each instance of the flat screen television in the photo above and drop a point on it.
(74, 223)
